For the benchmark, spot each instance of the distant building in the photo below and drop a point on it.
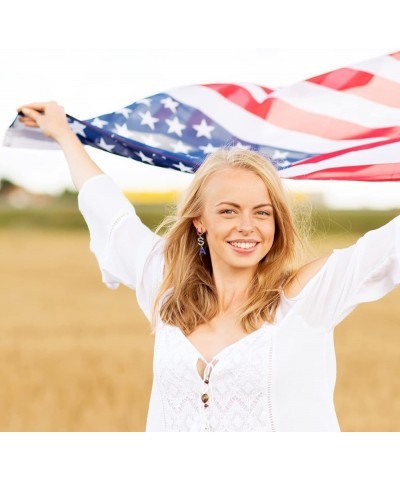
(14, 196)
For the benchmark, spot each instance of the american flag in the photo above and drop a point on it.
(344, 124)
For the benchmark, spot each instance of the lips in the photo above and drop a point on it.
(243, 247)
(244, 240)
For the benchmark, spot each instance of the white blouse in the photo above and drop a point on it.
(280, 377)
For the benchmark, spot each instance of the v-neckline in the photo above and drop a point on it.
(221, 352)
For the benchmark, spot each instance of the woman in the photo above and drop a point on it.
(243, 333)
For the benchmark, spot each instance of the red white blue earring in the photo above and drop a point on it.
(200, 242)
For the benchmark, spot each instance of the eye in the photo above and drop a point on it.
(267, 214)
(264, 213)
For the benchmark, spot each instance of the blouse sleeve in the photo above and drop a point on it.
(127, 251)
(363, 272)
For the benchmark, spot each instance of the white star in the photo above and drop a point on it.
(144, 158)
(284, 164)
(147, 119)
(183, 167)
(209, 148)
(170, 104)
(203, 129)
(102, 144)
(99, 123)
(240, 145)
(180, 147)
(124, 111)
(78, 128)
(144, 101)
(279, 155)
(122, 130)
(174, 126)
(150, 140)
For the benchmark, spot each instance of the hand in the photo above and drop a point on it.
(48, 116)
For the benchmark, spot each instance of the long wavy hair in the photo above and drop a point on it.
(188, 292)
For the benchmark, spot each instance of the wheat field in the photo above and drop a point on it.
(76, 356)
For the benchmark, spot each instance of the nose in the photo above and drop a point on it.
(245, 229)
(245, 225)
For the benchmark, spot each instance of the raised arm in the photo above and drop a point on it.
(127, 251)
(52, 121)
(362, 272)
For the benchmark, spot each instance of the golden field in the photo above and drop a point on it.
(76, 356)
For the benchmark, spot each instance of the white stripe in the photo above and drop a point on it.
(255, 91)
(372, 156)
(250, 128)
(385, 67)
(21, 136)
(340, 105)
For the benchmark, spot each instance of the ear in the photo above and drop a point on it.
(197, 224)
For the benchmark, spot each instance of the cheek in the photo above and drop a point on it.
(269, 229)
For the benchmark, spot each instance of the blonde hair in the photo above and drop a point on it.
(188, 286)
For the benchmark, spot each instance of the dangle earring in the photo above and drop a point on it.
(200, 242)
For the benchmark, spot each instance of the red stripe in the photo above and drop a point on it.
(242, 97)
(385, 172)
(395, 55)
(326, 156)
(266, 89)
(342, 79)
(284, 115)
(366, 85)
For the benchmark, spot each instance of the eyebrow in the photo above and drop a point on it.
(238, 206)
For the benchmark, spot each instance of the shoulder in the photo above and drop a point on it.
(303, 276)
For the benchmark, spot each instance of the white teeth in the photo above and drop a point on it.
(243, 245)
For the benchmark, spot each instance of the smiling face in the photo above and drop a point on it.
(238, 219)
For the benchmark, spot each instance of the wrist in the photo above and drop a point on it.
(65, 135)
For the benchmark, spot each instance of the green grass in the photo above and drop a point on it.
(66, 216)
(351, 221)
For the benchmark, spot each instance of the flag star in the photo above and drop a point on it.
(180, 147)
(203, 129)
(122, 130)
(78, 128)
(279, 155)
(98, 123)
(183, 168)
(241, 145)
(170, 104)
(144, 101)
(150, 140)
(145, 158)
(147, 119)
(283, 164)
(209, 148)
(124, 111)
(102, 144)
(174, 126)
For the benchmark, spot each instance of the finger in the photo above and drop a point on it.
(30, 123)
(29, 112)
(39, 106)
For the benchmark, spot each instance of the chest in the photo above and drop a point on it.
(237, 387)
(209, 343)
(212, 339)
(175, 355)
